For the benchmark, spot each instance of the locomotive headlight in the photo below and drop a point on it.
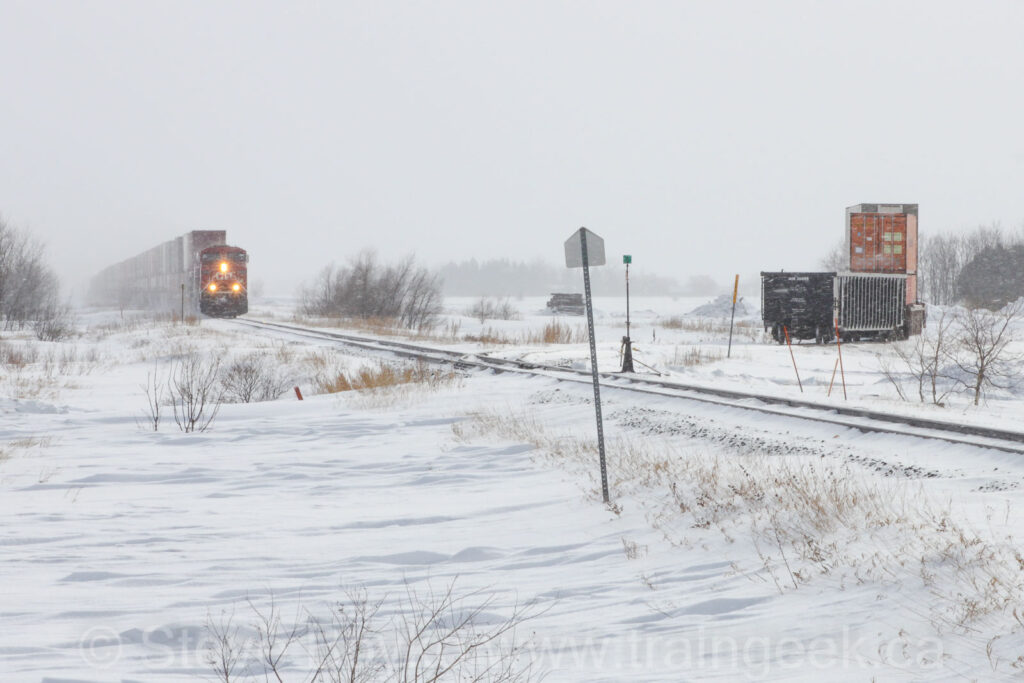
(223, 266)
(235, 287)
(213, 288)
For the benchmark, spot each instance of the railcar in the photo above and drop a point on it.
(223, 283)
(195, 273)
(860, 305)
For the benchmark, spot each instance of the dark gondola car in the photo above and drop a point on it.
(802, 302)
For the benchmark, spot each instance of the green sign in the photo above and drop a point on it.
(626, 258)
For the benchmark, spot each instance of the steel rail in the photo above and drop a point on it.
(843, 416)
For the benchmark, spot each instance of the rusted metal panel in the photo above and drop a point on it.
(878, 243)
(883, 238)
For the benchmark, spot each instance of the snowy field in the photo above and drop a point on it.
(736, 547)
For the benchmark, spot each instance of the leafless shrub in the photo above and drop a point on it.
(53, 321)
(225, 647)
(923, 357)
(431, 636)
(367, 289)
(155, 391)
(252, 378)
(194, 391)
(495, 309)
(980, 351)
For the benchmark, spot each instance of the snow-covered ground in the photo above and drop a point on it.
(737, 546)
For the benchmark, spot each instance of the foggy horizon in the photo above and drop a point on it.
(703, 139)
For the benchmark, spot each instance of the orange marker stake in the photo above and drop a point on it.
(839, 346)
(786, 332)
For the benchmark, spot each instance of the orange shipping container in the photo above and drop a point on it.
(882, 238)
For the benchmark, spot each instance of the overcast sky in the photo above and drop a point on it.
(700, 137)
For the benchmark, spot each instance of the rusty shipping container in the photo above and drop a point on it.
(882, 238)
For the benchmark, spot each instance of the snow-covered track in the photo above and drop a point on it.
(844, 416)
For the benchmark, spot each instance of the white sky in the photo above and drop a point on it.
(711, 137)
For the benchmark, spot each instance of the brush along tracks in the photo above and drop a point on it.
(843, 416)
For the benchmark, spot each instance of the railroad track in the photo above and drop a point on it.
(856, 418)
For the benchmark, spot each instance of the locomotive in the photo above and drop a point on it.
(197, 272)
(223, 291)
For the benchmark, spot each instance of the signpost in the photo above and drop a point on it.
(627, 344)
(582, 250)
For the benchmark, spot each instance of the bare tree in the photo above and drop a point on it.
(194, 391)
(980, 351)
(942, 259)
(837, 259)
(29, 289)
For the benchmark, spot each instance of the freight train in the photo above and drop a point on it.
(197, 272)
(875, 299)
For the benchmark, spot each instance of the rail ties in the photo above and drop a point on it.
(856, 418)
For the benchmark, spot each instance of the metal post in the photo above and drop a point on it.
(627, 343)
(182, 303)
(735, 288)
(627, 300)
(839, 349)
(593, 366)
(786, 332)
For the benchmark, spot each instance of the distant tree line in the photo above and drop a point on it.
(29, 288)
(981, 268)
(503, 277)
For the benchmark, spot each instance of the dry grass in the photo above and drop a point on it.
(24, 443)
(743, 329)
(554, 332)
(384, 376)
(557, 332)
(806, 520)
(138, 320)
(690, 356)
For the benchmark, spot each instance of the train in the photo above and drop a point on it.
(198, 272)
(875, 298)
(857, 306)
